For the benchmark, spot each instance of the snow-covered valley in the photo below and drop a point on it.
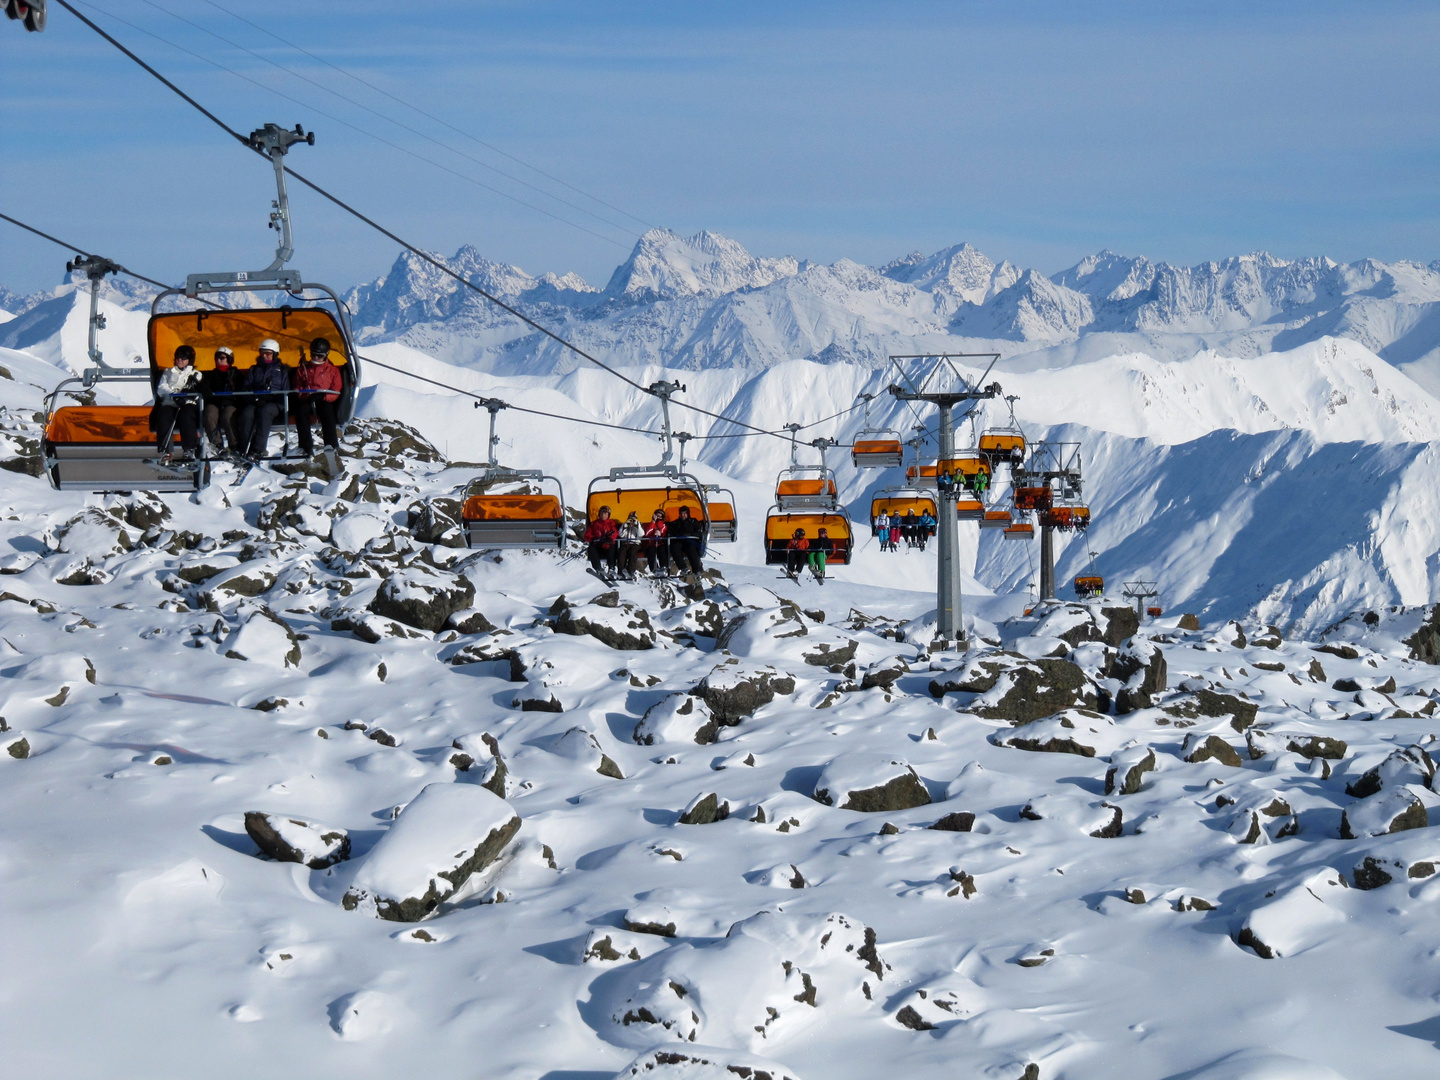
(296, 783)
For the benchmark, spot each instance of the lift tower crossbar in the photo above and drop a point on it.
(945, 388)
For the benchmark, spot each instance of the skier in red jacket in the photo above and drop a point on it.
(601, 535)
(319, 384)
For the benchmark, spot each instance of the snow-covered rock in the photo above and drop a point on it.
(289, 839)
(870, 783)
(265, 638)
(422, 598)
(444, 835)
(1298, 918)
(1394, 810)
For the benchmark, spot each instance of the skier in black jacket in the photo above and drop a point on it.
(686, 534)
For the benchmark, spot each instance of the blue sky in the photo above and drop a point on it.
(1038, 131)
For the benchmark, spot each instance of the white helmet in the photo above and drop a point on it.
(270, 344)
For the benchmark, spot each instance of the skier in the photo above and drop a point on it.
(657, 548)
(882, 527)
(266, 383)
(926, 527)
(177, 406)
(982, 483)
(796, 552)
(895, 532)
(319, 384)
(217, 385)
(600, 536)
(820, 550)
(945, 482)
(630, 535)
(685, 535)
(908, 528)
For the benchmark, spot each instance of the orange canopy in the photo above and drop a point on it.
(205, 331)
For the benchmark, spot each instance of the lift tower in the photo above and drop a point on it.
(944, 387)
(1052, 469)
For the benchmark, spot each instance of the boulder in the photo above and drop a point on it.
(1408, 765)
(705, 810)
(536, 696)
(15, 745)
(1103, 820)
(1268, 638)
(1296, 919)
(1121, 623)
(478, 757)
(959, 821)
(882, 674)
(870, 783)
(1024, 691)
(1208, 703)
(1140, 665)
(422, 598)
(95, 534)
(506, 663)
(1127, 769)
(1424, 644)
(287, 839)
(734, 690)
(773, 972)
(1260, 743)
(1391, 811)
(1373, 871)
(580, 744)
(693, 1062)
(265, 638)
(677, 717)
(444, 835)
(436, 521)
(1073, 731)
(1198, 748)
(1189, 622)
(620, 626)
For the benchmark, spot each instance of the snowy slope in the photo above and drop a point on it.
(1243, 485)
(231, 658)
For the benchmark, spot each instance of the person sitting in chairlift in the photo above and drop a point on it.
(319, 384)
(600, 536)
(925, 527)
(657, 548)
(796, 552)
(628, 561)
(685, 536)
(177, 405)
(820, 550)
(217, 386)
(266, 384)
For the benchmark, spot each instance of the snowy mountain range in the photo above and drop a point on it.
(704, 301)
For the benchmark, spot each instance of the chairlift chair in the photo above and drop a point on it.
(780, 526)
(521, 517)
(876, 447)
(1033, 496)
(1020, 530)
(643, 489)
(1088, 585)
(903, 500)
(996, 519)
(720, 506)
(109, 448)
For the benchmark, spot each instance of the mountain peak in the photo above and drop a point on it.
(666, 266)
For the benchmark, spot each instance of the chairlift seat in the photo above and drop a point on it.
(111, 448)
(1154, 612)
(876, 453)
(903, 504)
(998, 442)
(723, 528)
(643, 502)
(780, 526)
(996, 519)
(805, 494)
(513, 521)
(1089, 585)
(1033, 497)
(968, 507)
(1021, 530)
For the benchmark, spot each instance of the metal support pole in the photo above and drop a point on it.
(949, 625)
(663, 390)
(1047, 563)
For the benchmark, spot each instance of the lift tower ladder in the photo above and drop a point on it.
(944, 387)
